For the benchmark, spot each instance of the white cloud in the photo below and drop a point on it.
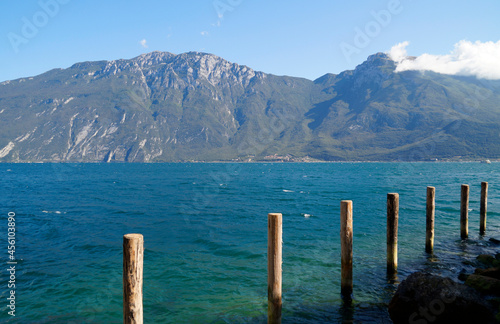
(144, 43)
(478, 59)
(204, 33)
(398, 52)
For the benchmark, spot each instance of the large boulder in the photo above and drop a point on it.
(424, 298)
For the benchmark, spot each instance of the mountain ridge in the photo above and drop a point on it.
(168, 107)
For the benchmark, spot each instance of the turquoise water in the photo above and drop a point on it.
(205, 232)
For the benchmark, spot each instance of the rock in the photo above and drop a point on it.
(484, 284)
(425, 298)
(469, 263)
(488, 260)
(494, 240)
(490, 272)
(463, 276)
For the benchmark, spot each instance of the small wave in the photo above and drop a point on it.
(53, 212)
(285, 190)
(306, 215)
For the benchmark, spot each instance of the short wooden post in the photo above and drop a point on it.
(483, 208)
(430, 213)
(464, 212)
(392, 232)
(133, 256)
(346, 234)
(274, 260)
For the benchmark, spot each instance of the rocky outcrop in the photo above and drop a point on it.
(425, 298)
(484, 284)
(486, 278)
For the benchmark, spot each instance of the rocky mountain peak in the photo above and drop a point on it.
(153, 58)
(212, 68)
(379, 58)
(376, 62)
(375, 70)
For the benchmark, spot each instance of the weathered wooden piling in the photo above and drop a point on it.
(392, 232)
(274, 261)
(430, 214)
(346, 234)
(483, 208)
(133, 257)
(464, 212)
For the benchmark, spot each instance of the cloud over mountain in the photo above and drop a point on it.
(467, 58)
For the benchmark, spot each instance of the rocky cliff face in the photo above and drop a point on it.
(155, 105)
(196, 106)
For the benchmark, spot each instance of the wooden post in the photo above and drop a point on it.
(430, 213)
(483, 208)
(346, 233)
(274, 249)
(133, 256)
(464, 212)
(392, 232)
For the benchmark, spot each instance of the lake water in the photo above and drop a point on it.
(205, 232)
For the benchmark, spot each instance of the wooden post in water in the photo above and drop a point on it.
(392, 232)
(430, 213)
(464, 212)
(274, 260)
(346, 233)
(133, 256)
(483, 208)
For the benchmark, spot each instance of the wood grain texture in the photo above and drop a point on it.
(392, 232)
(430, 215)
(483, 208)
(464, 212)
(274, 271)
(133, 258)
(346, 241)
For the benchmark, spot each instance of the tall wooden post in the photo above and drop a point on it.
(430, 213)
(392, 232)
(483, 208)
(274, 260)
(346, 233)
(133, 256)
(464, 212)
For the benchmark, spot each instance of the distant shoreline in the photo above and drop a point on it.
(248, 162)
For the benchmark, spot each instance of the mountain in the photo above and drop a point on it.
(196, 106)
(376, 114)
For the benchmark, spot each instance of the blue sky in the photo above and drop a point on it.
(297, 38)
